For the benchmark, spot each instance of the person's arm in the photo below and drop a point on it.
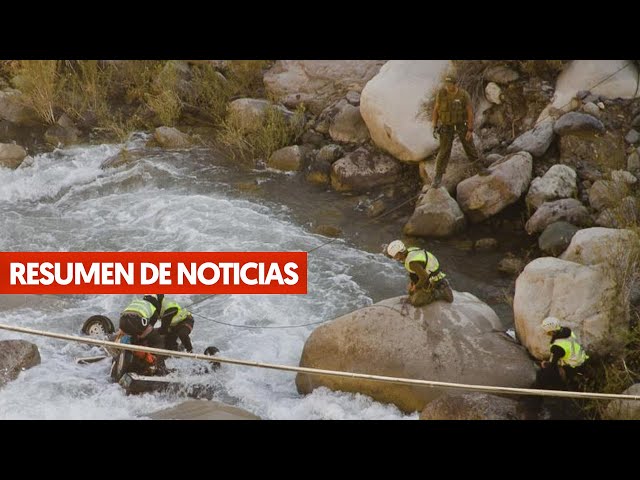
(556, 354)
(423, 276)
(183, 335)
(166, 319)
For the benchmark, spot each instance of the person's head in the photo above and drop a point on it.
(550, 325)
(397, 250)
(450, 82)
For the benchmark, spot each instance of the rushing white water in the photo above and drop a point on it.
(177, 201)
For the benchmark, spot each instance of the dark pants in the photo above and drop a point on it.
(424, 296)
(181, 331)
(447, 133)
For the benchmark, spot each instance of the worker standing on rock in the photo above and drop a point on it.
(427, 282)
(453, 113)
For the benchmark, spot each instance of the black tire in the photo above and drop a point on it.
(98, 326)
(212, 351)
(121, 364)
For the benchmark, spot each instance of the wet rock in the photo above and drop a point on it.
(57, 135)
(319, 172)
(556, 237)
(169, 137)
(16, 356)
(472, 406)
(203, 410)
(123, 157)
(11, 155)
(330, 153)
(440, 341)
(362, 170)
(511, 265)
(486, 244)
(287, 159)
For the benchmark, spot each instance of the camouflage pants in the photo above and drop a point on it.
(447, 133)
(424, 296)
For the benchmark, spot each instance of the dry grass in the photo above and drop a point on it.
(258, 141)
(41, 85)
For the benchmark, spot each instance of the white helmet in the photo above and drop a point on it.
(550, 324)
(396, 247)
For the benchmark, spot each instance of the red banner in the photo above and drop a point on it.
(153, 272)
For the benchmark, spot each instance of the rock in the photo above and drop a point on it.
(556, 237)
(178, 74)
(600, 105)
(493, 93)
(632, 137)
(486, 244)
(440, 341)
(511, 265)
(362, 170)
(535, 141)
(15, 356)
(584, 298)
(568, 210)
(557, 183)
(314, 138)
(603, 152)
(123, 157)
(636, 121)
(319, 172)
(330, 153)
(57, 135)
(11, 155)
(436, 215)
(248, 113)
(322, 81)
(591, 109)
(493, 159)
(606, 193)
(573, 123)
(169, 137)
(13, 109)
(353, 98)
(626, 214)
(288, 158)
(622, 176)
(633, 162)
(624, 409)
(457, 170)
(347, 125)
(593, 246)
(584, 74)
(472, 406)
(392, 106)
(328, 231)
(501, 74)
(480, 197)
(203, 410)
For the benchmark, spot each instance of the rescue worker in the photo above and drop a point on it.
(453, 114)
(177, 323)
(567, 355)
(427, 282)
(137, 321)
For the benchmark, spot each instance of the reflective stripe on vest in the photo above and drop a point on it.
(180, 316)
(574, 355)
(432, 266)
(452, 107)
(142, 308)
